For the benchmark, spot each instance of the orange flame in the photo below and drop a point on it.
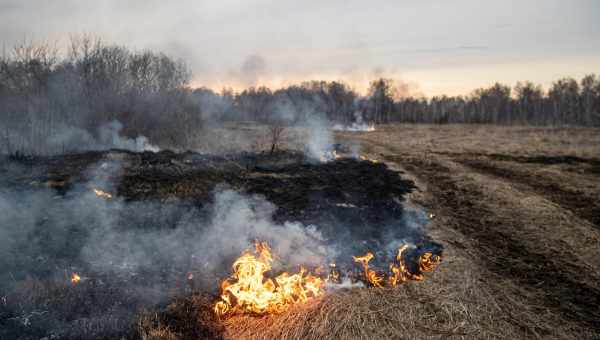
(334, 274)
(103, 194)
(248, 291)
(372, 276)
(75, 278)
(399, 272)
(366, 158)
(428, 262)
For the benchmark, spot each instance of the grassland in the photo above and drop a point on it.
(518, 211)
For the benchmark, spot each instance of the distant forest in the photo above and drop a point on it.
(43, 90)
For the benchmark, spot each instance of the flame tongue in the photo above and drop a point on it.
(427, 262)
(372, 276)
(249, 291)
(102, 193)
(75, 278)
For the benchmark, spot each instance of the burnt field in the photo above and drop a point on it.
(514, 211)
(96, 241)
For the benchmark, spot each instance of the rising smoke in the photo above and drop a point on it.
(109, 136)
(112, 235)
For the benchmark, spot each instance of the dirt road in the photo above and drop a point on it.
(526, 223)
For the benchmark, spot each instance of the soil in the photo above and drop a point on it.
(532, 220)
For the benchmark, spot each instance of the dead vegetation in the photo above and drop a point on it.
(518, 204)
(515, 209)
(520, 260)
(189, 317)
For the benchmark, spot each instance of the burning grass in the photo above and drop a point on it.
(141, 201)
(250, 292)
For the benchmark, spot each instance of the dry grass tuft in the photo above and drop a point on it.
(355, 314)
(455, 302)
(454, 307)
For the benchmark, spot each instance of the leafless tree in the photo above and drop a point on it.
(276, 131)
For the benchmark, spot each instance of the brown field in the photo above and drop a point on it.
(518, 212)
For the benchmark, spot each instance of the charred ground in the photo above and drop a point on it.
(347, 199)
(346, 191)
(515, 209)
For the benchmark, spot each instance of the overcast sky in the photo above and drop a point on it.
(439, 46)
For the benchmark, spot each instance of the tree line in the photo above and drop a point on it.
(43, 90)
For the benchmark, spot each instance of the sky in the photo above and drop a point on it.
(436, 46)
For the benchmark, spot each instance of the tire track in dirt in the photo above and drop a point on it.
(561, 287)
(557, 285)
(584, 207)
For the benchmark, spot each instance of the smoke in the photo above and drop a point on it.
(65, 139)
(319, 138)
(206, 242)
(138, 253)
(108, 137)
(249, 218)
(164, 239)
(359, 125)
(252, 69)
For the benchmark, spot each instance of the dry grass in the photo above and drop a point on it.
(525, 225)
(468, 297)
(453, 303)
(464, 299)
(250, 138)
(512, 140)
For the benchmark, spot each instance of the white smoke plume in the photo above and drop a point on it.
(109, 137)
(359, 125)
(112, 235)
(319, 138)
(65, 139)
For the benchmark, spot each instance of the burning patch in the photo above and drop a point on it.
(75, 278)
(102, 193)
(248, 291)
(399, 270)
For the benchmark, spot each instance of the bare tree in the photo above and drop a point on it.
(276, 131)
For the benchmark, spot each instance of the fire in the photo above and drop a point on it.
(249, 291)
(399, 272)
(372, 276)
(75, 278)
(427, 262)
(334, 274)
(103, 194)
(365, 158)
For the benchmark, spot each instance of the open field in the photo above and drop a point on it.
(516, 210)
